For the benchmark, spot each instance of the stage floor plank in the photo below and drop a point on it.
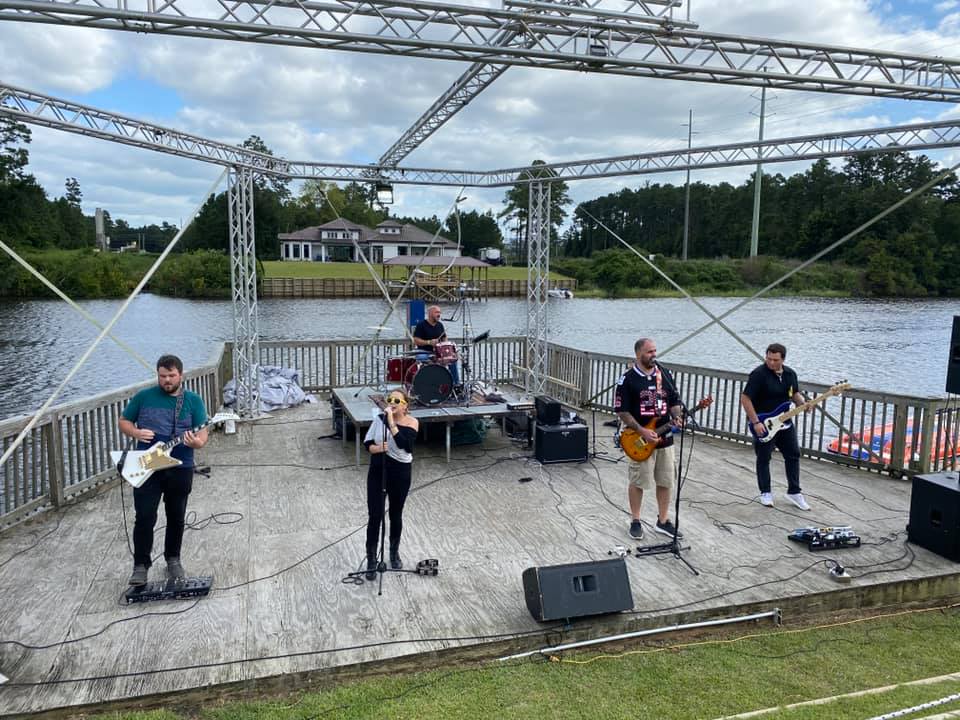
(280, 605)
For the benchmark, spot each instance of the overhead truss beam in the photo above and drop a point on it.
(52, 112)
(613, 42)
(480, 75)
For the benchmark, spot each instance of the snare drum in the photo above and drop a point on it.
(446, 353)
(398, 366)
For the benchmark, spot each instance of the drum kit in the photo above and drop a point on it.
(430, 381)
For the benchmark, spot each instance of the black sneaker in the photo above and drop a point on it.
(139, 576)
(175, 569)
(636, 530)
(667, 528)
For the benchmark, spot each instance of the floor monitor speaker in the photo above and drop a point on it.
(953, 362)
(935, 514)
(556, 592)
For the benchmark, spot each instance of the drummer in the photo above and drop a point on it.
(427, 334)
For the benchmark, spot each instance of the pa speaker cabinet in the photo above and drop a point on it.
(557, 592)
(953, 361)
(935, 514)
(548, 410)
(560, 443)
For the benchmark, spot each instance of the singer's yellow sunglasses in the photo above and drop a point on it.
(396, 400)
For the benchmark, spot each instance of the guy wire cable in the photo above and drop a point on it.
(63, 296)
(109, 326)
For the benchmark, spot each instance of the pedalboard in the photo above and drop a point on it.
(190, 587)
(826, 538)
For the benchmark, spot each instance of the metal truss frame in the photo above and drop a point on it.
(538, 276)
(480, 75)
(243, 283)
(581, 39)
(59, 114)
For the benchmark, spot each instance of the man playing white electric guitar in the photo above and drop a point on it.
(769, 386)
(159, 414)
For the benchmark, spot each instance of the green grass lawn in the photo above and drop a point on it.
(281, 269)
(744, 670)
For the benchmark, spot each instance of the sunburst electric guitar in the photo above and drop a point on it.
(636, 448)
(781, 418)
(139, 465)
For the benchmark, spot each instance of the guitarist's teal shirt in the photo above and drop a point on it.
(153, 409)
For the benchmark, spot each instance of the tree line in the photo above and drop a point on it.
(910, 252)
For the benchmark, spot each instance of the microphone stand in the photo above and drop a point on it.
(595, 455)
(673, 546)
(381, 563)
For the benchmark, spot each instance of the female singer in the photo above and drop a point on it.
(390, 443)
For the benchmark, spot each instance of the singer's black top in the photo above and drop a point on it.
(647, 396)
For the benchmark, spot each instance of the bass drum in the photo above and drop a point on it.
(430, 384)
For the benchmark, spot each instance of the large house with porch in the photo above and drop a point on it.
(334, 242)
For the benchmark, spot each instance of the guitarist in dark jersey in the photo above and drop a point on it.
(769, 386)
(644, 393)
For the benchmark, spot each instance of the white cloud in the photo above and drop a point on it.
(350, 107)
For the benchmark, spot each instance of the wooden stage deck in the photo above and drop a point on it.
(280, 616)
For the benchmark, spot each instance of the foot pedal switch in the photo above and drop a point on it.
(190, 587)
(428, 567)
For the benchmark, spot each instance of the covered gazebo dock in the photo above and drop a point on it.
(438, 279)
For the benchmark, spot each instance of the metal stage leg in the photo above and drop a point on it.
(243, 281)
(538, 282)
(448, 441)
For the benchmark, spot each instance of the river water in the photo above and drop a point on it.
(898, 346)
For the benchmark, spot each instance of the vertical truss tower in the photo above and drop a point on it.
(243, 281)
(538, 272)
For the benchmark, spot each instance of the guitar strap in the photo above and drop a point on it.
(177, 411)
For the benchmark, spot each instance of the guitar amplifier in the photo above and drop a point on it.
(560, 443)
(548, 410)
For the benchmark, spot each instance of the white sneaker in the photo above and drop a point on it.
(798, 500)
(766, 499)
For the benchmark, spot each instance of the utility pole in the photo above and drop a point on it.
(758, 178)
(686, 204)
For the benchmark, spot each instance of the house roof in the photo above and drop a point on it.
(409, 234)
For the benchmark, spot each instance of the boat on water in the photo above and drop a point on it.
(876, 444)
(560, 293)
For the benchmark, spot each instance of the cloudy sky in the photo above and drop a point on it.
(350, 107)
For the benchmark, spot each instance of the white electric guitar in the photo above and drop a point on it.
(139, 465)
